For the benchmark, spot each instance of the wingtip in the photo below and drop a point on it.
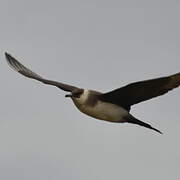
(7, 54)
(12, 62)
(8, 58)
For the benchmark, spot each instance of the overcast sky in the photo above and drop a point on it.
(95, 44)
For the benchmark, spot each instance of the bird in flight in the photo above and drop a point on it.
(113, 106)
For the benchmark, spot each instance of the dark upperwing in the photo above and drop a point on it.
(141, 91)
(17, 66)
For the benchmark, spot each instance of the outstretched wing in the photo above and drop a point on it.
(141, 91)
(17, 66)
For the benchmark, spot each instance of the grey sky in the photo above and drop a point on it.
(96, 44)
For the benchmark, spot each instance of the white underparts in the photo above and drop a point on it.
(101, 110)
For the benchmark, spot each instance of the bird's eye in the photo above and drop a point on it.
(77, 94)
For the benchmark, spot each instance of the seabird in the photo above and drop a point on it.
(113, 106)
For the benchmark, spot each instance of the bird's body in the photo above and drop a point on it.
(113, 106)
(99, 109)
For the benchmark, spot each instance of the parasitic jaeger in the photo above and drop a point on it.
(113, 106)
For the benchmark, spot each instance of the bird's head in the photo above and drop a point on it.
(75, 94)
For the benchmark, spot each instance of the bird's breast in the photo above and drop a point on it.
(102, 110)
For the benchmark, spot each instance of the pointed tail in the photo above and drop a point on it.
(133, 120)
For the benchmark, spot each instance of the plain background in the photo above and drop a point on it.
(95, 44)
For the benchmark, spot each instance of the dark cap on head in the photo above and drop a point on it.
(76, 93)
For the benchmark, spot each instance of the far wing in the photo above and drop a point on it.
(17, 66)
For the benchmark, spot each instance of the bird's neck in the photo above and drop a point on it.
(82, 99)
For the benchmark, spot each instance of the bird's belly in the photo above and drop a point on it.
(104, 111)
